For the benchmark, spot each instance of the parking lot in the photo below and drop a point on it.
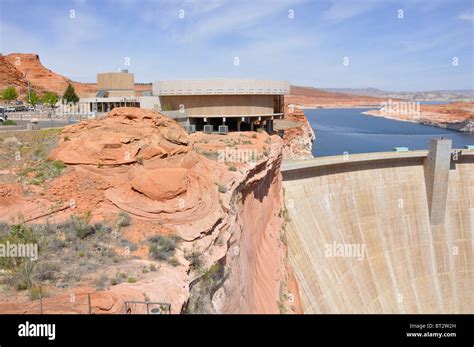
(45, 120)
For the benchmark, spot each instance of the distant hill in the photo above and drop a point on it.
(314, 97)
(17, 69)
(432, 95)
(10, 76)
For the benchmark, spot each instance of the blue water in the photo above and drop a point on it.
(348, 130)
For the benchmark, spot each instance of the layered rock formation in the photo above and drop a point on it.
(227, 214)
(11, 76)
(456, 115)
(41, 78)
(298, 135)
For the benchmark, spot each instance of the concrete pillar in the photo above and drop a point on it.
(251, 125)
(269, 125)
(436, 168)
(238, 125)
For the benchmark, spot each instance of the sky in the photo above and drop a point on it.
(394, 45)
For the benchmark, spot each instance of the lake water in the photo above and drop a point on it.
(348, 130)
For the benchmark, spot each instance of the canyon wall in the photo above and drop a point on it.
(224, 216)
(298, 136)
(255, 275)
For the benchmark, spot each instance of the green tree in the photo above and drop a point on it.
(10, 94)
(70, 95)
(32, 98)
(50, 98)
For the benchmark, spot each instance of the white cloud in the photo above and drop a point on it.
(467, 16)
(237, 16)
(340, 10)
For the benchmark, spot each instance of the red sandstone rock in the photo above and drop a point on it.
(10, 76)
(454, 115)
(13, 68)
(171, 190)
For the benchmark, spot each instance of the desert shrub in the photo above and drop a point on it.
(47, 271)
(23, 276)
(58, 165)
(100, 283)
(221, 188)
(19, 234)
(81, 227)
(36, 293)
(212, 278)
(4, 230)
(232, 168)
(102, 227)
(162, 247)
(8, 122)
(173, 261)
(124, 219)
(56, 245)
(73, 275)
(210, 155)
(126, 243)
(195, 258)
(131, 280)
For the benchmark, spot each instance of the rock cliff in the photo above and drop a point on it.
(221, 217)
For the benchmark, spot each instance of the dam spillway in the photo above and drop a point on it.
(370, 233)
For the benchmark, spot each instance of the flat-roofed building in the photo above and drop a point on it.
(116, 84)
(115, 89)
(241, 104)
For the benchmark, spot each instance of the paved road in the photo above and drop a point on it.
(21, 124)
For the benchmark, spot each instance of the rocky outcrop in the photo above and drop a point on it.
(41, 78)
(298, 135)
(10, 76)
(227, 215)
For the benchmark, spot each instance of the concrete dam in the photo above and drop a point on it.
(383, 232)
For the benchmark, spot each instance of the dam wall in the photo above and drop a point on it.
(367, 233)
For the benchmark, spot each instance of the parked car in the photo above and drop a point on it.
(3, 115)
(10, 109)
(31, 108)
(21, 108)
